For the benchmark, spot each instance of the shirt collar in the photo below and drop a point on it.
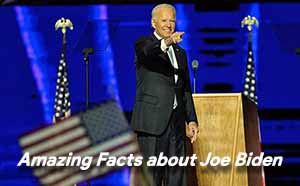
(157, 36)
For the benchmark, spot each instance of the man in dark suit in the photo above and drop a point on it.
(163, 99)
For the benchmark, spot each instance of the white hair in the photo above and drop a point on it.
(155, 9)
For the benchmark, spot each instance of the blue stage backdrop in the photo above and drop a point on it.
(30, 50)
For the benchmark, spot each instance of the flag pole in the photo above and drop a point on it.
(250, 82)
(250, 89)
(250, 22)
(63, 24)
(62, 103)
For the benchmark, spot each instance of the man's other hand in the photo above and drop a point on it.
(192, 131)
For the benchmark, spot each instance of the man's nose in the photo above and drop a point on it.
(168, 23)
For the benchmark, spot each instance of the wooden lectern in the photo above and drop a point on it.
(228, 124)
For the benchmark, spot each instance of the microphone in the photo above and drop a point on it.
(86, 52)
(195, 65)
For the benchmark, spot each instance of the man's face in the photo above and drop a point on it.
(164, 22)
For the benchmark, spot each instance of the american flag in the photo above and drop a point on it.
(103, 129)
(250, 80)
(62, 96)
(250, 87)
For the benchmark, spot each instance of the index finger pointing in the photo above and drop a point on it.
(180, 33)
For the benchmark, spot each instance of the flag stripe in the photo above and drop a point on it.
(45, 132)
(42, 171)
(61, 175)
(71, 147)
(93, 173)
(57, 141)
(52, 136)
(45, 171)
(71, 178)
(52, 151)
(118, 146)
(114, 143)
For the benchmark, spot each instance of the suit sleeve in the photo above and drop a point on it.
(146, 49)
(189, 103)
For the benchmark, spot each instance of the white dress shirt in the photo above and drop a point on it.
(172, 57)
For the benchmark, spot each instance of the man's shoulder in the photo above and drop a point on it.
(144, 38)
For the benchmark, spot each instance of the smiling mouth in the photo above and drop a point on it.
(168, 30)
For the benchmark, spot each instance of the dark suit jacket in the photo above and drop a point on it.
(156, 88)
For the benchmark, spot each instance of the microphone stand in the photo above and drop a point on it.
(194, 80)
(86, 58)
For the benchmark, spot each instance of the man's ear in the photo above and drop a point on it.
(152, 23)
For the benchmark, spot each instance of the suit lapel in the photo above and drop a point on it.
(176, 51)
(162, 55)
(178, 56)
(165, 57)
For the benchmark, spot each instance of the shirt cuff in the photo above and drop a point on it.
(163, 46)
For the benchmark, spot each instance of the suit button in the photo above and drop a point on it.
(173, 138)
